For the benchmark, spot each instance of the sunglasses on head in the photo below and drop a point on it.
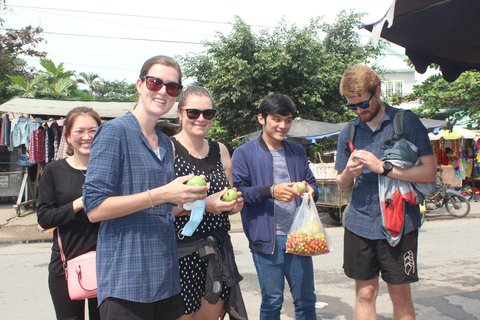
(363, 105)
(155, 84)
(193, 114)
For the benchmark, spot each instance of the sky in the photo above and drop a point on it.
(114, 38)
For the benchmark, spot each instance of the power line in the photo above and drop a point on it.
(122, 23)
(127, 15)
(87, 65)
(110, 37)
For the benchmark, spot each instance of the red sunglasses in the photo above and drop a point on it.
(155, 84)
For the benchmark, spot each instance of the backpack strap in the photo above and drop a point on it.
(350, 133)
(397, 126)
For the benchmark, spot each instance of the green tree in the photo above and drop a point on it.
(54, 73)
(91, 80)
(117, 91)
(241, 68)
(53, 82)
(14, 43)
(442, 99)
(25, 88)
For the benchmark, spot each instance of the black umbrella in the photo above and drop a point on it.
(445, 32)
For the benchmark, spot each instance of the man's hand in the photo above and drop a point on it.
(365, 158)
(285, 192)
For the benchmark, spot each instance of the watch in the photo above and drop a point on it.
(387, 167)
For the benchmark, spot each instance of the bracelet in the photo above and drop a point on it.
(150, 198)
(273, 194)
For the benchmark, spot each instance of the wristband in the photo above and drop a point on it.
(150, 198)
(273, 194)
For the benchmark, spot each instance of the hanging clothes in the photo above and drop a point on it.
(2, 130)
(19, 132)
(62, 149)
(49, 144)
(6, 125)
(37, 145)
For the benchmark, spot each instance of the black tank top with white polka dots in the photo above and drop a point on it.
(211, 167)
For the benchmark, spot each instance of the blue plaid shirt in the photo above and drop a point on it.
(364, 215)
(137, 254)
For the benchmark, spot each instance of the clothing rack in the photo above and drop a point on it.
(25, 196)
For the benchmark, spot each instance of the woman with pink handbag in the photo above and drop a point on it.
(60, 205)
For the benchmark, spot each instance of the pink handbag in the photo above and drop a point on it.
(81, 274)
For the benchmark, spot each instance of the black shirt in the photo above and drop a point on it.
(60, 185)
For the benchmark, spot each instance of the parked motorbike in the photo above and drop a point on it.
(456, 203)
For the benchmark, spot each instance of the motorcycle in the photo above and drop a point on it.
(456, 203)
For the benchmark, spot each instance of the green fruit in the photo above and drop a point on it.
(197, 181)
(355, 159)
(300, 187)
(230, 195)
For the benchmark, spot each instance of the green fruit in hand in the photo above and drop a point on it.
(197, 181)
(355, 159)
(300, 187)
(229, 195)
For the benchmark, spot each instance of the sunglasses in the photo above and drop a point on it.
(193, 114)
(363, 105)
(155, 84)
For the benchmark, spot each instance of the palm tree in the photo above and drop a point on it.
(91, 80)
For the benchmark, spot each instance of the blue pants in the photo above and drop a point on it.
(273, 269)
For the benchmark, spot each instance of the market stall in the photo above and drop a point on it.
(456, 154)
(31, 136)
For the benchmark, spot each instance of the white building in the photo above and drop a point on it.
(399, 78)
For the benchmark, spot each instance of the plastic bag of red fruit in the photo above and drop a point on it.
(307, 236)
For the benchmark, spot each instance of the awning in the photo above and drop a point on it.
(60, 108)
(454, 134)
(307, 132)
(445, 32)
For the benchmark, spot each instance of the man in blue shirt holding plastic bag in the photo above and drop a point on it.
(264, 170)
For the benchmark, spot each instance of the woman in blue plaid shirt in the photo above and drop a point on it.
(131, 188)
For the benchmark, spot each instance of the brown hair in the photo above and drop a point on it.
(194, 91)
(357, 80)
(70, 120)
(162, 60)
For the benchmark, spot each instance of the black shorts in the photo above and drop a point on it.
(113, 308)
(364, 259)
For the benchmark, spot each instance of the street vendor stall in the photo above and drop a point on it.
(32, 136)
(455, 152)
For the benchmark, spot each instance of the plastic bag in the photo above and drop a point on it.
(307, 236)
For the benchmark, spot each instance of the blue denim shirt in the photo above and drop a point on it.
(364, 215)
(19, 133)
(136, 254)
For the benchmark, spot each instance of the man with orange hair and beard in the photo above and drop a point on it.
(366, 251)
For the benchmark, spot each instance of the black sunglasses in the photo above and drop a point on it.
(193, 114)
(155, 84)
(363, 105)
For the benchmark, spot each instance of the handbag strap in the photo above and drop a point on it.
(62, 255)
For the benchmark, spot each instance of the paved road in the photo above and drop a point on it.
(449, 252)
